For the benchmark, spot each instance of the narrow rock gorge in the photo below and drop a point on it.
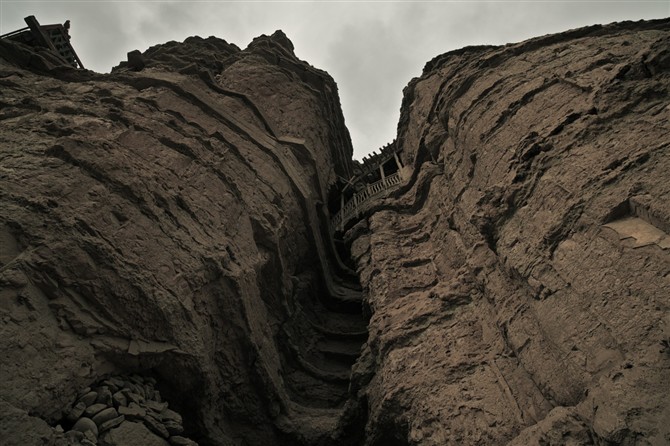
(171, 270)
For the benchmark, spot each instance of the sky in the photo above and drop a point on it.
(371, 48)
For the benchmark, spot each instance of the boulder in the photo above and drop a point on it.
(84, 425)
(133, 411)
(76, 412)
(168, 414)
(74, 436)
(90, 438)
(104, 396)
(119, 399)
(155, 406)
(91, 411)
(89, 398)
(112, 384)
(110, 424)
(156, 426)
(105, 415)
(134, 397)
(173, 427)
(129, 433)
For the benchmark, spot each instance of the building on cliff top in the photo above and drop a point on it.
(53, 37)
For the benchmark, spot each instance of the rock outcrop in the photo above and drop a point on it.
(166, 243)
(167, 220)
(519, 282)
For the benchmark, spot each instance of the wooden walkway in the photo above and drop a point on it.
(353, 207)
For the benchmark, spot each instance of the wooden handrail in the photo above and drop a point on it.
(18, 31)
(352, 206)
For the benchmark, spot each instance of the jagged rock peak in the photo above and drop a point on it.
(277, 38)
(513, 49)
(210, 53)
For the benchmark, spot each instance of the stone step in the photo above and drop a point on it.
(340, 326)
(344, 300)
(340, 350)
(314, 424)
(309, 391)
(326, 369)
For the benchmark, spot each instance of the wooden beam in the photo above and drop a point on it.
(43, 39)
(18, 31)
(38, 34)
(397, 160)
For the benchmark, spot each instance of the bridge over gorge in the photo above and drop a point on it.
(54, 37)
(378, 174)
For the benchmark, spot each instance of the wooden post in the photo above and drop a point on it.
(43, 39)
(397, 161)
(39, 35)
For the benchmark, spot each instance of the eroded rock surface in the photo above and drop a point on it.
(166, 220)
(165, 231)
(519, 283)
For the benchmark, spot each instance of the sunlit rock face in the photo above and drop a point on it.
(168, 275)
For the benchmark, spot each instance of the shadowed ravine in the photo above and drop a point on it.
(191, 256)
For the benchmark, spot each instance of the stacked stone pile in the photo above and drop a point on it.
(123, 411)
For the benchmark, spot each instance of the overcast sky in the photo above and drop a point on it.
(371, 48)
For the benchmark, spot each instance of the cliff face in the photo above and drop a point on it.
(164, 227)
(519, 282)
(166, 223)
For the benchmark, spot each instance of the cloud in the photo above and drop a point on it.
(372, 60)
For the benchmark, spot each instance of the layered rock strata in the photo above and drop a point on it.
(519, 281)
(167, 220)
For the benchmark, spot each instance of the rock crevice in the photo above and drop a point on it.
(168, 230)
(166, 238)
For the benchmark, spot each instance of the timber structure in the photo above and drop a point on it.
(377, 174)
(53, 37)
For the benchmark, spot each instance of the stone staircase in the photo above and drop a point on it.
(322, 359)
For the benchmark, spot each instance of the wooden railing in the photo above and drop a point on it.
(353, 206)
(61, 41)
(12, 33)
(54, 37)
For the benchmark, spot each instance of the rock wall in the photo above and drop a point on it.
(165, 241)
(166, 221)
(519, 282)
